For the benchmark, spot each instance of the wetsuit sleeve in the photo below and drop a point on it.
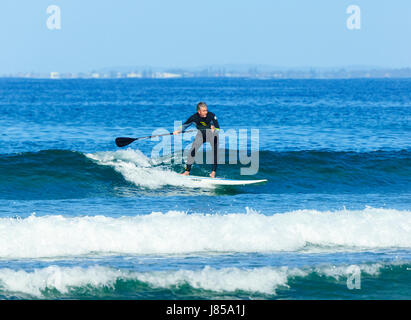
(215, 122)
(187, 123)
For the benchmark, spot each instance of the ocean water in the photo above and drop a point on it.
(83, 219)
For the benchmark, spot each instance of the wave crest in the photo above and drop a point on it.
(177, 232)
(55, 281)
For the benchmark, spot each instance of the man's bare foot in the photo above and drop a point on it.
(186, 173)
(212, 174)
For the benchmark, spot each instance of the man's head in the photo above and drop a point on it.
(202, 109)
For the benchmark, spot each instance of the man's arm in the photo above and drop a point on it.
(215, 122)
(185, 125)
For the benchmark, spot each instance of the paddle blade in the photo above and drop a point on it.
(122, 142)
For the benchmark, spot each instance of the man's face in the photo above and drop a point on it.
(203, 112)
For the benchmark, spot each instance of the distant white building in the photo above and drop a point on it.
(166, 75)
(133, 75)
(54, 75)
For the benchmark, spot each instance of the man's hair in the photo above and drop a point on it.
(201, 105)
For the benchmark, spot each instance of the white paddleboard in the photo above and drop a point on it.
(223, 181)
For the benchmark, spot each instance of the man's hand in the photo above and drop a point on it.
(176, 132)
(212, 128)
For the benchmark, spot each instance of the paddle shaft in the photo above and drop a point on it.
(159, 135)
(122, 142)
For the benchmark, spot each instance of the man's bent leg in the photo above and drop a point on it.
(198, 141)
(212, 138)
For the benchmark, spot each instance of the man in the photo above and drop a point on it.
(207, 132)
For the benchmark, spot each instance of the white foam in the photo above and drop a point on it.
(177, 232)
(338, 272)
(54, 277)
(136, 168)
(264, 280)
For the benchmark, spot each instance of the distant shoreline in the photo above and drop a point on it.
(211, 78)
(228, 72)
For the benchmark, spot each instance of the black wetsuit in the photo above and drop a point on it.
(203, 135)
(201, 123)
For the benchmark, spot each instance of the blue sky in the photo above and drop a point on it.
(188, 33)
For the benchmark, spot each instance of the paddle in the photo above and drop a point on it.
(122, 141)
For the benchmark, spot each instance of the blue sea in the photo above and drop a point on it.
(81, 218)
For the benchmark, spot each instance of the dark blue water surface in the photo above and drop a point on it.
(336, 154)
